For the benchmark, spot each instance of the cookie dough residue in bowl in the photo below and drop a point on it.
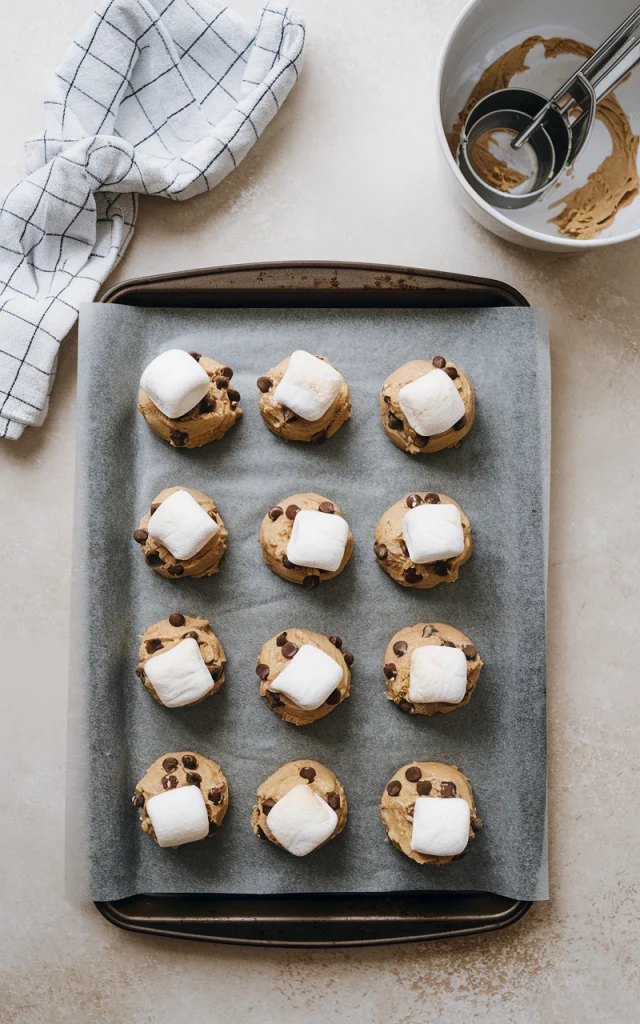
(592, 207)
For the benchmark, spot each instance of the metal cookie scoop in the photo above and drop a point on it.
(535, 139)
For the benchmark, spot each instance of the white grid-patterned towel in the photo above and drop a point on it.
(163, 97)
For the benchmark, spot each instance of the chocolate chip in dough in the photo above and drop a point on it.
(282, 639)
(333, 799)
(264, 384)
(192, 633)
(404, 549)
(390, 671)
(439, 362)
(410, 810)
(380, 551)
(413, 500)
(405, 705)
(153, 558)
(179, 438)
(212, 827)
(140, 536)
(140, 673)
(448, 643)
(170, 763)
(274, 513)
(220, 381)
(267, 805)
(193, 779)
(394, 422)
(326, 506)
(400, 648)
(448, 789)
(154, 645)
(348, 657)
(175, 570)
(234, 396)
(289, 649)
(154, 508)
(394, 787)
(336, 641)
(432, 498)
(260, 833)
(138, 800)
(421, 441)
(413, 773)
(273, 700)
(169, 782)
(441, 569)
(308, 773)
(309, 582)
(291, 511)
(476, 824)
(287, 564)
(462, 422)
(333, 698)
(428, 630)
(176, 619)
(469, 651)
(423, 787)
(262, 671)
(411, 575)
(207, 404)
(288, 415)
(196, 355)
(216, 672)
(216, 796)
(189, 761)
(451, 372)
(226, 371)
(319, 438)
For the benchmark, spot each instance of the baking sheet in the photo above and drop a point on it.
(499, 476)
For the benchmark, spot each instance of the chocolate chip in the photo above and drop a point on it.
(448, 789)
(309, 582)
(267, 805)
(260, 833)
(390, 671)
(274, 513)
(404, 549)
(288, 415)
(441, 568)
(410, 810)
(387, 399)
(282, 639)
(380, 551)
(234, 396)
(319, 438)
(411, 575)
(287, 564)
(226, 371)
(154, 645)
(476, 824)
(348, 657)
(333, 800)
(220, 381)
(413, 500)
(462, 422)
(138, 800)
(336, 641)
(326, 506)
(212, 827)
(394, 787)
(451, 372)
(155, 507)
(405, 705)
(153, 558)
(191, 634)
(400, 648)
(140, 672)
(216, 796)
(207, 404)
(140, 536)
(428, 631)
(170, 763)
(289, 649)
(432, 498)
(176, 619)
(216, 672)
(421, 441)
(175, 570)
(179, 438)
(394, 422)
(193, 779)
(291, 511)
(196, 355)
(448, 643)
(333, 698)
(262, 671)
(264, 384)
(424, 787)
(169, 782)
(439, 362)
(189, 761)
(273, 700)
(308, 773)
(469, 651)
(413, 773)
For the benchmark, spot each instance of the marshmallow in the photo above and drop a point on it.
(309, 387)
(179, 676)
(437, 674)
(301, 820)
(318, 540)
(309, 678)
(433, 533)
(440, 826)
(178, 816)
(431, 403)
(175, 382)
(182, 525)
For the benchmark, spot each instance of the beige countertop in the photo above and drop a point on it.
(344, 173)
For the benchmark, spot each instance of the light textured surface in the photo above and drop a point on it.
(325, 182)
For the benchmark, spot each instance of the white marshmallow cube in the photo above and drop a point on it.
(179, 676)
(437, 674)
(433, 533)
(182, 525)
(440, 826)
(175, 382)
(309, 386)
(432, 403)
(318, 540)
(178, 816)
(301, 820)
(309, 678)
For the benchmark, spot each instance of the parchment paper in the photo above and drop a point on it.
(500, 477)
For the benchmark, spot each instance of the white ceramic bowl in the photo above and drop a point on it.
(488, 28)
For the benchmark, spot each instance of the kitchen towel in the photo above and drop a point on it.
(161, 97)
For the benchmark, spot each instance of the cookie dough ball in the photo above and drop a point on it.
(304, 398)
(423, 540)
(427, 832)
(430, 667)
(181, 661)
(187, 398)
(182, 798)
(303, 675)
(300, 807)
(305, 539)
(426, 407)
(182, 534)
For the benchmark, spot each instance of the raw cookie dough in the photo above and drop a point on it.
(391, 551)
(394, 420)
(321, 779)
(208, 421)
(184, 769)
(426, 778)
(286, 424)
(274, 657)
(398, 658)
(275, 532)
(205, 563)
(162, 636)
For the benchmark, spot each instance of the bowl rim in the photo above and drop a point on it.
(562, 241)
